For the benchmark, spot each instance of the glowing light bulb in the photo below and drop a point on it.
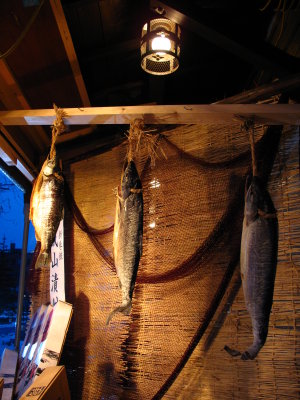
(161, 42)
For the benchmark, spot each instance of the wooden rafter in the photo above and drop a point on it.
(268, 114)
(12, 98)
(65, 34)
(70, 50)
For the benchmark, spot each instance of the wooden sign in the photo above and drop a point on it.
(46, 344)
(50, 385)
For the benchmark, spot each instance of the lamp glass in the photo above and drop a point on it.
(161, 42)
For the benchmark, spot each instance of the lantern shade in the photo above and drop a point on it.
(160, 46)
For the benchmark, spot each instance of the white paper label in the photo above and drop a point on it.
(57, 267)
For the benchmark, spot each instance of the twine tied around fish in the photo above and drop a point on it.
(57, 128)
(140, 138)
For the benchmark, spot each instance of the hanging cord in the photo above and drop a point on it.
(249, 127)
(23, 33)
(134, 137)
(140, 139)
(57, 128)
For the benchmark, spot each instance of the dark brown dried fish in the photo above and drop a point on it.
(128, 234)
(258, 262)
(46, 207)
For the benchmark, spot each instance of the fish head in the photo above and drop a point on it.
(130, 179)
(50, 166)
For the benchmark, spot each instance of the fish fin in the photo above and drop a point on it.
(247, 356)
(124, 309)
(43, 260)
(252, 351)
(232, 352)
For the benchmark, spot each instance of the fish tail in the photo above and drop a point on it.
(43, 260)
(249, 354)
(124, 309)
(232, 352)
(252, 351)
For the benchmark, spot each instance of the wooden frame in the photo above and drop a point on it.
(268, 114)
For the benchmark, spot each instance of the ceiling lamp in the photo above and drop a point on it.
(160, 46)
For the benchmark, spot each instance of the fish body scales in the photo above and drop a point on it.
(258, 273)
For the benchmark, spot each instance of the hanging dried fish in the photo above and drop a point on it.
(46, 203)
(128, 233)
(258, 259)
(46, 208)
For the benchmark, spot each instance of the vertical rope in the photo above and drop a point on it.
(249, 127)
(57, 128)
(134, 137)
(252, 142)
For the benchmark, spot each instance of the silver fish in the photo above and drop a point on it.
(258, 262)
(128, 235)
(46, 207)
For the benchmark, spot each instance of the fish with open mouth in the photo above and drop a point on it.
(128, 234)
(46, 207)
(258, 262)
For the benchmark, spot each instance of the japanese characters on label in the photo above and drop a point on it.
(57, 267)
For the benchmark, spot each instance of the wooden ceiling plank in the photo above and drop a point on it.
(14, 155)
(6, 153)
(10, 138)
(70, 50)
(12, 97)
(268, 114)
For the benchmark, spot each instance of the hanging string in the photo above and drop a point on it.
(249, 127)
(134, 137)
(57, 128)
(141, 139)
(23, 33)
(252, 143)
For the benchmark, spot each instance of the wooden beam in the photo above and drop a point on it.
(60, 18)
(264, 91)
(261, 55)
(268, 114)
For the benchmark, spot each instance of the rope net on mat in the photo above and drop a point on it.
(193, 200)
